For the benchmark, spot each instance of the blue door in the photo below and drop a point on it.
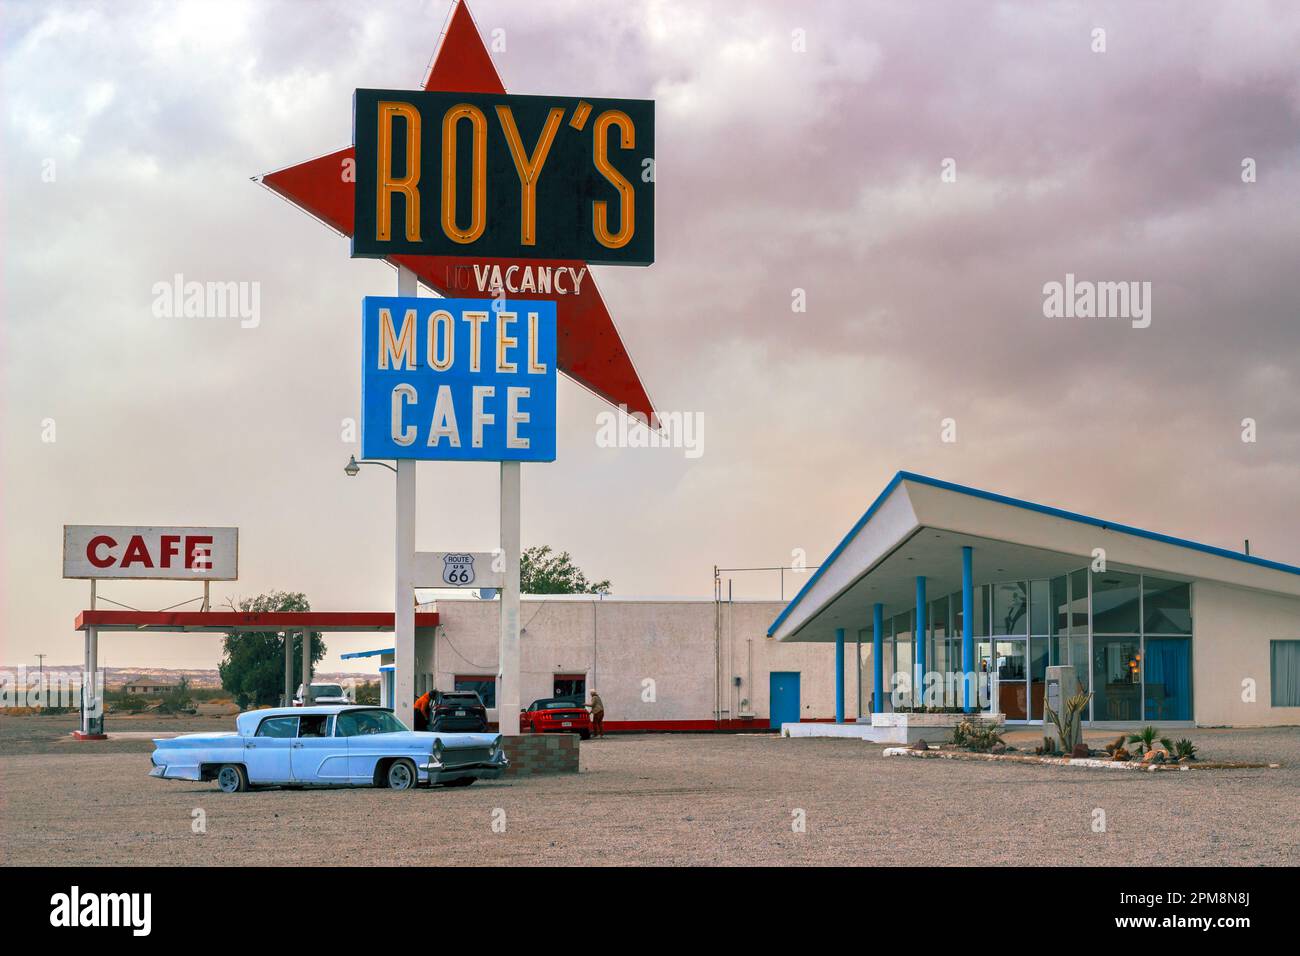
(783, 688)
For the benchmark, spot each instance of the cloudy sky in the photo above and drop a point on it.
(797, 148)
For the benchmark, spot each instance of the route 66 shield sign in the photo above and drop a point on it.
(458, 569)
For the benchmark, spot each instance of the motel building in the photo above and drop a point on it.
(1160, 629)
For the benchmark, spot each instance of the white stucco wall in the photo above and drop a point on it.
(1232, 628)
(621, 644)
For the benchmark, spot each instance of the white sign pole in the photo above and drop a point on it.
(508, 684)
(404, 587)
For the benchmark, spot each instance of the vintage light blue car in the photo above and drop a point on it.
(328, 746)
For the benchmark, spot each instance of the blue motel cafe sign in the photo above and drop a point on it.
(458, 379)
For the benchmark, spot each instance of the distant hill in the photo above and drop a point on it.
(198, 677)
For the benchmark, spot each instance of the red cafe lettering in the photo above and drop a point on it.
(170, 550)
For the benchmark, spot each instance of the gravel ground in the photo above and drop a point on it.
(659, 799)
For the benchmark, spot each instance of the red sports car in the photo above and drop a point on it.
(555, 716)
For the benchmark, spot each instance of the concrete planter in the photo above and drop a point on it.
(893, 728)
(907, 728)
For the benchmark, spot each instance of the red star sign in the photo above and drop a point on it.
(590, 350)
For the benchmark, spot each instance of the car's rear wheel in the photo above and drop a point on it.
(462, 782)
(231, 778)
(401, 775)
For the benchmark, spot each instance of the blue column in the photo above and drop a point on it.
(967, 628)
(839, 675)
(919, 636)
(878, 659)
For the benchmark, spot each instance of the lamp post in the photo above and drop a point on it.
(353, 466)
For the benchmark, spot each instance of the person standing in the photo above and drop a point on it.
(423, 705)
(597, 715)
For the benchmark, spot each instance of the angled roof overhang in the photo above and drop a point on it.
(918, 526)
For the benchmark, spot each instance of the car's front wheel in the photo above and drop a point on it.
(401, 775)
(231, 778)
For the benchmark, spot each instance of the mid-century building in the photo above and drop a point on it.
(1159, 629)
(659, 664)
(941, 579)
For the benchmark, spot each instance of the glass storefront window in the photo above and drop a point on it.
(1010, 665)
(1115, 603)
(1079, 659)
(1166, 606)
(1059, 613)
(1115, 678)
(1038, 661)
(1040, 606)
(904, 666)
(1167, 672)
(981, 599)
(1010, 608)
(1079, 601)
(938, 614)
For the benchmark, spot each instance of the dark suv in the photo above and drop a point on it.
(457, 710)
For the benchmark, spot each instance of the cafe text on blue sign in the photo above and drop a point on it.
(458, 379)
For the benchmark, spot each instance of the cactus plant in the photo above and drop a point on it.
(1067, 722)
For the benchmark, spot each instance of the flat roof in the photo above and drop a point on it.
(375, 653)
(223, 621)
(961, 515)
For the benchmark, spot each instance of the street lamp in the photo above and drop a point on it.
(353, 466)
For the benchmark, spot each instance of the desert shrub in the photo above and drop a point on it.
(978, 736)
(1183, 750)
(1144, 740)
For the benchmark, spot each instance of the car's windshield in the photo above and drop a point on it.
(326, 690)
(360, 723)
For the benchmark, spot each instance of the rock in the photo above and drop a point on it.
(1120, 754)
(998, 749)
(1155, 755)
(1081, 750)
(920, 745)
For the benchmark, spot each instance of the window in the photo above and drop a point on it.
(483, 685)
(278, 727)
(1040, 606)
(1167, 672)
(361, 723)
(1115, 603)
(314, 725)
(1284, 659)
(1166, 606)
(1116, 678)
(1010, 608)
(571, 687)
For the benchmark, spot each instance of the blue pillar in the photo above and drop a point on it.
(839, 675)
(878, 659)
(918, 690)
(967, 628)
